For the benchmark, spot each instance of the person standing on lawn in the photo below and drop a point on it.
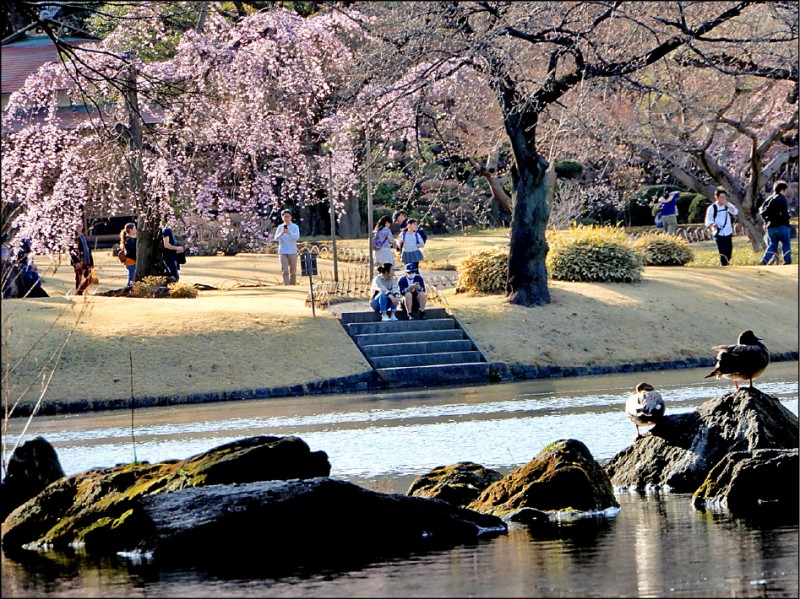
(287, 235)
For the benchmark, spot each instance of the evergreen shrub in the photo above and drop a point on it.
(658, 249)
(593, 254)
(568, 169)
(697, 209)
(484, 271)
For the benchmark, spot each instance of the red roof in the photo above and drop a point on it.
(22, 58)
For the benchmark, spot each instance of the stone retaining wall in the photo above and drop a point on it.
(368, 381)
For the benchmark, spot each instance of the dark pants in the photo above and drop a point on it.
(83, 277)
(782, 236)
(172, 266)
(725, 248)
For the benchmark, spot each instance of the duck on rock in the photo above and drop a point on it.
(741, 362)
(645, 407)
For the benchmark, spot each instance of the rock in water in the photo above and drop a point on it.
(96, 507)
(562, 477)
(749, 482)
(680, 450)
(32, 467)
(459, 484)
(313, 523)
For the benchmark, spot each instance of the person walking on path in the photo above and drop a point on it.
(775, 212)
(171, 251)
(80, 256)
(127, 241)
(669, 212)
(411, 244)
(382, 242)
(718, 219)
(287, 235)
(385, 292)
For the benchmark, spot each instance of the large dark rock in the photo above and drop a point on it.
(748, 482)
(32, 467)
(96, 507)
(314, 522)
(459, 484)
(679, 451)
(563, 477)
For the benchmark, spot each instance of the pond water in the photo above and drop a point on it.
(657, 545)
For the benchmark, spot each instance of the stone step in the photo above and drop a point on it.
(424, 347)
(437, 324)
(439, 374)
(425, 359)
(372, 316)
(407, 337)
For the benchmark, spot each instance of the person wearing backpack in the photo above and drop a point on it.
(401, 220)
(719, 217)
(411, 244)
(382, 241)
(775, 212)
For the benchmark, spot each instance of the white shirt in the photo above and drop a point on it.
(412, 241)
(287, 244)
(723, 218)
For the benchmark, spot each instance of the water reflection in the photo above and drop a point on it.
(657, 545)
(399, 433)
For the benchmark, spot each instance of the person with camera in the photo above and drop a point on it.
(719, 221)
(412, 287)
(385, 295)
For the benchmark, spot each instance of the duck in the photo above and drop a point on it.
(645, 407)
(744, 361)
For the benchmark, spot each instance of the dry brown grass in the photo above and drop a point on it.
(244, 337)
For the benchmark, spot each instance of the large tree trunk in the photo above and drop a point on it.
(349, 227)
(149, 257)
(527, 274)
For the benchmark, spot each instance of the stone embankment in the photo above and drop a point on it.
(369, 381)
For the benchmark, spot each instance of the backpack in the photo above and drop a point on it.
(377, 242)
(422, 234)
(765, 211)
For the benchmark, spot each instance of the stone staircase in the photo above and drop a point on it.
(407, 353)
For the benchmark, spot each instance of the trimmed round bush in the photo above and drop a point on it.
(568, 169)
(697, 209)
(594, 254)
(485, 271)
(658, 249)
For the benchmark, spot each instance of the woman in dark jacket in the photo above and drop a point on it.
(127, 241)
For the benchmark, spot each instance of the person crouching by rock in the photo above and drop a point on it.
(81, 259)
(385, 292)
(412, 287)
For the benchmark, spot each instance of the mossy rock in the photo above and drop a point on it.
(459, 484)
(93, 507)
(563, 477)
